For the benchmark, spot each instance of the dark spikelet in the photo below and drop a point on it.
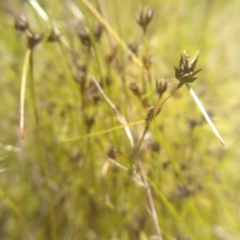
(185, 73)
(21, 23)
(33, 39)
(161, 87)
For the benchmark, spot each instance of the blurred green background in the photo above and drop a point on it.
(51, 189)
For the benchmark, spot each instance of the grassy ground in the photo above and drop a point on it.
(87, 169)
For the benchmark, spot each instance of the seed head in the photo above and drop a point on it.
(110, 56)
(21, 23)
(84, 36)
(133, 46)
(81, 74)
(33, 39)
(186, 71)
(147, 61)
(144, 17)
(153, 146)
(150, 114)
(89, 121)
(161, 87)
(135, 89)
(97, 32)
(53, 36)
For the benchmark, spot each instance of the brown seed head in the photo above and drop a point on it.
(147, 61)
(150, 114)
(97, 32)
(84, 36)
(144, 17)
(133, 46)
(33, 39)
(53, 37)
(186, 71)
(135, 88)
(21, 23)
(153, 146)
(161, 86)
(89, 121)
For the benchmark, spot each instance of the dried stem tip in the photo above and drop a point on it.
(186, 71)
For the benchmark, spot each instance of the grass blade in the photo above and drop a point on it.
(201, 107)
(93, 134)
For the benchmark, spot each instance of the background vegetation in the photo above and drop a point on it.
(63, 180)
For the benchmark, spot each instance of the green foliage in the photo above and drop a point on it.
(114, 147)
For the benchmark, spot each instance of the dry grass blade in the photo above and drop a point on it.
(23, 89)
(201, 107)
(120, 117)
